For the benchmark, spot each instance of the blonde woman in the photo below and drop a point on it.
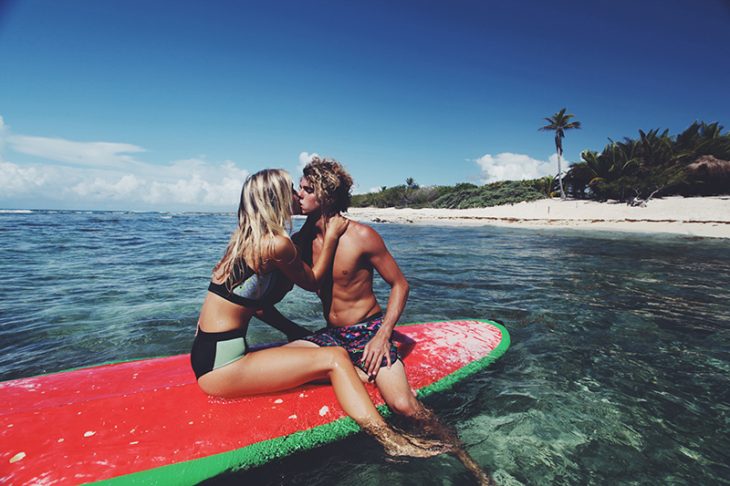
(252, 275)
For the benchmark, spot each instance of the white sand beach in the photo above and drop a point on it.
(698, 216)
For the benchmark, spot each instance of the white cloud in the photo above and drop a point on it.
(564, 163)
(102, 174)
(507, 166)
(197, 182)
(102, 189)
(16, 180)
(185, 182)
(92, 154)
(153, 187)
(304, 159)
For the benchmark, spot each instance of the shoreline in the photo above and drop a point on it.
(694, 216)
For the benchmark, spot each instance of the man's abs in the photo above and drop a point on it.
(348, 297)
(346, 308)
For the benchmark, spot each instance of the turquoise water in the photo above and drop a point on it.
(619, 369)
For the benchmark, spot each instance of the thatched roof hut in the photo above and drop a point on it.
(708, 165)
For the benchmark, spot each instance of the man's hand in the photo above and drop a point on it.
(377, 348)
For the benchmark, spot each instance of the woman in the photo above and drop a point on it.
(251, 276)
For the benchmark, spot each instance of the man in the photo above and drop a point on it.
(354, 317)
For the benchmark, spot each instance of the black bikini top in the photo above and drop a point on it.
(252, 289)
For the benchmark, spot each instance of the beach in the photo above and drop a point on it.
(693, 217)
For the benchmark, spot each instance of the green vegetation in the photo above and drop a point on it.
(695, 162)
(461, 196)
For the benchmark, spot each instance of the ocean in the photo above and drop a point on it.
(619, 369)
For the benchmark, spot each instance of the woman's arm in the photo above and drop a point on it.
(271, 316)
(287, 259)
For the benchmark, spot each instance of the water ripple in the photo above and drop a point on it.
(618, 372)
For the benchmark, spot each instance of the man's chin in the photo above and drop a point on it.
(312, 212)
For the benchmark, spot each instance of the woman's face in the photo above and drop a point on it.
(307, 198)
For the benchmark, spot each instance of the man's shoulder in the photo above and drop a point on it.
(363, 235)
(361, 230)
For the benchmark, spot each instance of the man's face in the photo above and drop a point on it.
(307, 198)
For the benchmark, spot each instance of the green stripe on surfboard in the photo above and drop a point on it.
(196, 470)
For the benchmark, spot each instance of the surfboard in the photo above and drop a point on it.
(146, 421)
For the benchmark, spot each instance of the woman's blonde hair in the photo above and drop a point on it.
(264, 211)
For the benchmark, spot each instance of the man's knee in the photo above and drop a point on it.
(405, 404)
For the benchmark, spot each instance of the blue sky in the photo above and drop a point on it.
(168, 105)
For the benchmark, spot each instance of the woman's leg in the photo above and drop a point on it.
(277, 369)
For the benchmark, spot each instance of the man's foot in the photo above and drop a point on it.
(474, 469)
(427, 423)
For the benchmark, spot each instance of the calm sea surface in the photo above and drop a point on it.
(619, 370)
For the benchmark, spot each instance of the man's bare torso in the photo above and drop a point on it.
(347, 293)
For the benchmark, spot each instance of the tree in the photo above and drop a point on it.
(606, 171)
(559, 123)
(411, 186)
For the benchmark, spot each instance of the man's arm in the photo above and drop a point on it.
(381, 259)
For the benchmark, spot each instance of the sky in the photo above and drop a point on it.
(168, 105)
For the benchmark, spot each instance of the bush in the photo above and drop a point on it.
(464, 195)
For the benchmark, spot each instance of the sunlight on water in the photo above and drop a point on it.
(618, 371)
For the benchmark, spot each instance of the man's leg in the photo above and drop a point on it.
(401, 399)
(396, 391)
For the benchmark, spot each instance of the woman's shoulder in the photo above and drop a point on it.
(282, 249)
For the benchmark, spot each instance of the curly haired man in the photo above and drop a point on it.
(355, 320)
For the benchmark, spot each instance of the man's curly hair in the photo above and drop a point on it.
(331, 184)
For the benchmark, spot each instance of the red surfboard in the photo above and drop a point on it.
(148, 422)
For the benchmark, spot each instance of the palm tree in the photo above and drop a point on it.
(558, 123)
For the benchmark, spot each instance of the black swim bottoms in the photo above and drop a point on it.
(213, 350)
(353, 339)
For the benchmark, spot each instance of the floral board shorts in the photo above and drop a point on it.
(353, 339)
